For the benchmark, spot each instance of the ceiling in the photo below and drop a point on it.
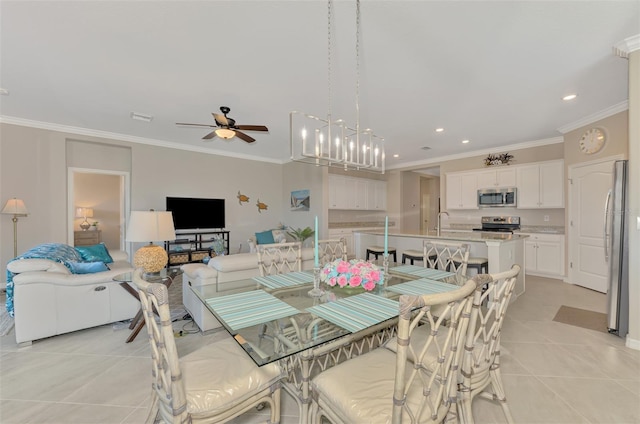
(492, 72)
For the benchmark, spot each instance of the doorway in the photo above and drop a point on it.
(429, 202)
(589, 184)
(106, 193)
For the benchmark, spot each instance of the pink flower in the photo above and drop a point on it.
(342, 280)
(355, 281)
(373, 275)
(369, 285)
(326, 271)
(332, 281)
(342, 267)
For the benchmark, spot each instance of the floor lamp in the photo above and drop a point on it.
(16, 208)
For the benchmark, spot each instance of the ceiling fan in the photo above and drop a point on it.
(226, 127)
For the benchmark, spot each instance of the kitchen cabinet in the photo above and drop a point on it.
(494, 178)
(357, 193)
(541, 185)
(544, 254)
(462, 190)
(377, 195)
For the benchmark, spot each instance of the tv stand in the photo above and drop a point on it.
(194, 246)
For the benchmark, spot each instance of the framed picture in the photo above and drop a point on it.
(300, 200)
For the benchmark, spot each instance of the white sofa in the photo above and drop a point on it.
(50, 300)
(222, 273)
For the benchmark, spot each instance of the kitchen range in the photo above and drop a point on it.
(499, 224)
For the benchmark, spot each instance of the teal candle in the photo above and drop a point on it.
(315, 245)
(386, 234)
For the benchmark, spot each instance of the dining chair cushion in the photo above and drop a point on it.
(234, 377)
(371, 377)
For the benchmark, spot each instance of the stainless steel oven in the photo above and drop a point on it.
(497, 197)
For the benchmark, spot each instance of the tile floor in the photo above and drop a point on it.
(553, 373)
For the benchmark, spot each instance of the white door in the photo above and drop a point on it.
(589, 185)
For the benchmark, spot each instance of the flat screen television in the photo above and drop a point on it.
(192, 213)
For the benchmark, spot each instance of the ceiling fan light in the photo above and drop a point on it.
(225, 133)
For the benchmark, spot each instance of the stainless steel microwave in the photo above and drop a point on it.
(497, 197)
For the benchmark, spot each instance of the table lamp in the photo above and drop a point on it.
(16, 208)
(150, 226)
(84, 213)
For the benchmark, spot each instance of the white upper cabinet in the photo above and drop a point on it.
(541, 185)
(462, 190)
(494, 178)
(356, 193)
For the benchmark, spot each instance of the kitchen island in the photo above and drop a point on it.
(502, 250)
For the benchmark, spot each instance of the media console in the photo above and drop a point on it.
(194, 246)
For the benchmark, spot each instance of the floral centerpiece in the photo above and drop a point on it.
(353, 273)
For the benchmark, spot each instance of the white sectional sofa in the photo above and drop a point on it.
(49, 300)
(223, 273)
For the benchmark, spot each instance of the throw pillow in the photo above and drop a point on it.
(88, 267)
(95, 253)
(279, 236)
(265, 237)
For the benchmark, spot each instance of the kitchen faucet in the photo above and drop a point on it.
(439, 222)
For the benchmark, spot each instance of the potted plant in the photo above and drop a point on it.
(300, 234)
(94, 226)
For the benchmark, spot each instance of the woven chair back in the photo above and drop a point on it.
(168, 389)
(482, 345)
(424, 389)
(330, 250)
(279, 258)
(446, 256)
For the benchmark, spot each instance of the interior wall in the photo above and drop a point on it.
(101, 192)
(302, 176)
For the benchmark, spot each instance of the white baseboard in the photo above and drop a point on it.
(632, 343)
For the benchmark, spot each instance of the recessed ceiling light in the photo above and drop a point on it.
(4, 92)
(396, 155)
(465, 141)
(439, 129)
(426, 148)
(141, 117)
(569, 97)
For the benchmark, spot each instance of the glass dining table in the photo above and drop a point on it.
(276, 319)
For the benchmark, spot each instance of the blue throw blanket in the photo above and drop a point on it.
(56, 252)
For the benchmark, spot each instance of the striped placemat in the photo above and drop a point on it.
(285, 280)
(358, 312)
(419, 271)
(422, 286)
(250, 308)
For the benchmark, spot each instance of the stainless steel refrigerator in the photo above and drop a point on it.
(617, 251)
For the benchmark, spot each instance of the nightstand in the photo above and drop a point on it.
(87, 238)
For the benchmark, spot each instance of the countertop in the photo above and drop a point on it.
(475, 236)
(541, 229)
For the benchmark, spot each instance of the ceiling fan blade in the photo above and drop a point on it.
(252, 127)
(209, 136)
(195, 125)
(220, 119)
(245, 137)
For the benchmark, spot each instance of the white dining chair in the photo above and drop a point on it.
(212, 384)
(383, 386)
(447, 256)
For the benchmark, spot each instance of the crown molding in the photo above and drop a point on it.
(627, 46)
(481, 152)
(129, 138)
(610, 111)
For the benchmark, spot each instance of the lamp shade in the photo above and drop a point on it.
(149, 226)
(15, 207)
(84, 213)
